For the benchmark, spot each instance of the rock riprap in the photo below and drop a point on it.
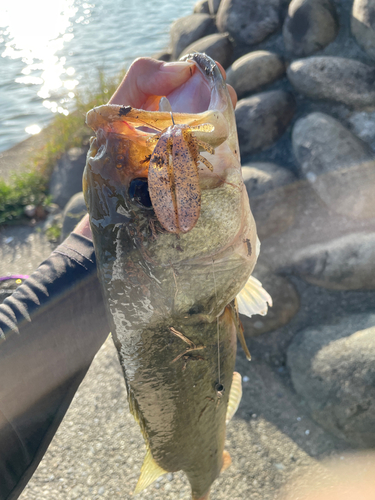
(334, 78)
(66, 178)
(248, 22)
(363, 125)
(218, 46)
(344, 263)
(201, 7)
(273, 196)
(363, 25)
(73, 212)
(263, 118)
(255, 70)
(309, 26)
(189, 29)
(333, 369)
(285, 303)
(213, 6)
(338, 165)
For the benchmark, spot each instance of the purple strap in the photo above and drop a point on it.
(14, 277)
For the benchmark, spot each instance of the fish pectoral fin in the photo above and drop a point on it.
(253, 298)
(149, 473)
(227, 461)
(235, 396)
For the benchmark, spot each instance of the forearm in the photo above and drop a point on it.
(50, 330)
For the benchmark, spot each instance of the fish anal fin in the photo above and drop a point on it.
(235, 396)
(149, 473)
(227, 461)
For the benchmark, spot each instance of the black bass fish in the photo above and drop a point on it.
(176, 243)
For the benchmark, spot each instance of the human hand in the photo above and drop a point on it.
(146, 78)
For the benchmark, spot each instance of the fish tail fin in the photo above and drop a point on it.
(149, 473)
(205, 497)
(227, 461)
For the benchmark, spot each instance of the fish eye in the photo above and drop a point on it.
(138, 191)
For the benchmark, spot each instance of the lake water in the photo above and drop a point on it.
(51, 48)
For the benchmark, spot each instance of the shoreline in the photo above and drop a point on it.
(13, 160)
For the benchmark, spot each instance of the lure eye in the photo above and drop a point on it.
(138, 192)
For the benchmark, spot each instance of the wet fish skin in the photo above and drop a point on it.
(157, 283)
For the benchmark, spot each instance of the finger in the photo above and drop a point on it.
(232, 95)
(222, 70)
(83, 227)
(232, 92)
(147, 77)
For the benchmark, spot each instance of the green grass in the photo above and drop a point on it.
(65, 132)
(27, 188)
(53, 233)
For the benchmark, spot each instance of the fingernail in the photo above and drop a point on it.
(175, 67)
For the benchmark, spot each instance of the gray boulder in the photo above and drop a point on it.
(345, 263)
(262, 177)
(309, 26)
(262, 119)
(217, 46)
(248, 22)
(73, 212)
(253, 71)
(363, 25)
(321, 144)
(188, 29)
(163, 55)
(338, 165)
(333, 369)
(272, 197)
(285, 303)
(66, 178)
(213, 6)
(363, 126)
(334, 78)
(201, 7)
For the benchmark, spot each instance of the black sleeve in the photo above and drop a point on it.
(50, 330)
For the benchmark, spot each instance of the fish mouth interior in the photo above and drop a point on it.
(194, 96)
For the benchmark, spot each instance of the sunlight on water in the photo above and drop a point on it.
(49, 48)
(36, 42)
(33, 129)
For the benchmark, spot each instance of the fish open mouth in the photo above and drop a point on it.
(201, 92)
(202, 98)
(194, 96)
(174, 141)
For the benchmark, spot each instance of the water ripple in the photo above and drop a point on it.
(56, 47)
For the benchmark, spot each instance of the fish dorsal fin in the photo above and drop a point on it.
(253, 298)
(235, 396)
(227, 461)
(149, 473)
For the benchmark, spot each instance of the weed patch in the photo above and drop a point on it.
(64, 132)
